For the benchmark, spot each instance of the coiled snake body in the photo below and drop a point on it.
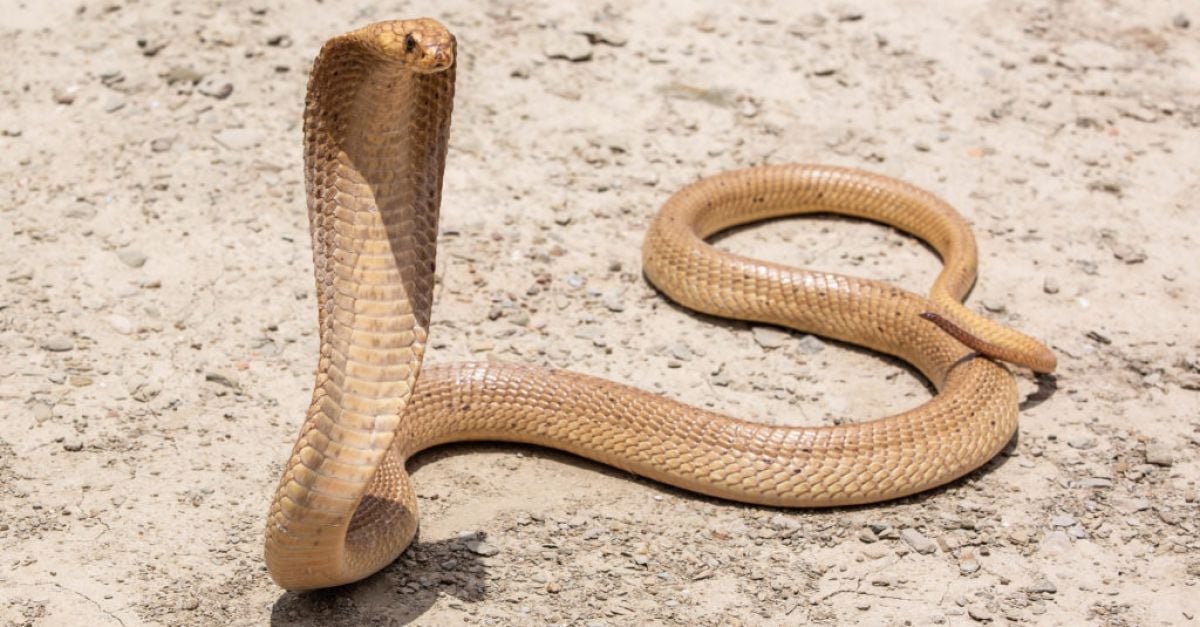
(376, 128)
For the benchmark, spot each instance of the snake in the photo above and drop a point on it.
(376, 133)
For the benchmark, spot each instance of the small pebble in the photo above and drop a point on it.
(1062, 520)
(918, 542)
(73, 445)
(1139, 505)
(161, 144)
(810, 345)
(1050, 285)
(994, 306)
(592, 333)
(145, 392)
(112, 76)
(239, 138)
(607, 39)
(876, 553)
(58, 344)
(1159, 454)
(770, 337)
(480, 547)
(120, 324)
(681, 352)
(885, 532)
(979, 613)
(42, 412)
(784, 522)
(614, 300)
(132, 258)
(65, 95)
(114, 103)
(1043, 585)
(567, 46)
(1129, 254)
(81, 212)
(519, 317)
(151, 47)
(1082, 442)
(1107, 186)
(222, 377)
(215, 87)
(179, 74)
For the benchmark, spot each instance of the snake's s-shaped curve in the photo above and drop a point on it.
(377, 122)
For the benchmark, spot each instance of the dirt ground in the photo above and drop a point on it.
(157, 309)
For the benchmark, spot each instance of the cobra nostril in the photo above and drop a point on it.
(438, 56)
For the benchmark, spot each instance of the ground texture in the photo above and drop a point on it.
(157, 309)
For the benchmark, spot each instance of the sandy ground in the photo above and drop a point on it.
(157, 308)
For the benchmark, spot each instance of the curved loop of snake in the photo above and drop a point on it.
(377, 122)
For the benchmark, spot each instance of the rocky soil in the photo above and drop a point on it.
(157, 308)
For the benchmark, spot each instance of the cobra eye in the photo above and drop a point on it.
(410, 43)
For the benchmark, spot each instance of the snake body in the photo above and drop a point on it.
(377, 122)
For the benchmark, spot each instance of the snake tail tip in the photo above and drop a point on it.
(1037, 358)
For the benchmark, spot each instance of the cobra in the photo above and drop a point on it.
(376, 127)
